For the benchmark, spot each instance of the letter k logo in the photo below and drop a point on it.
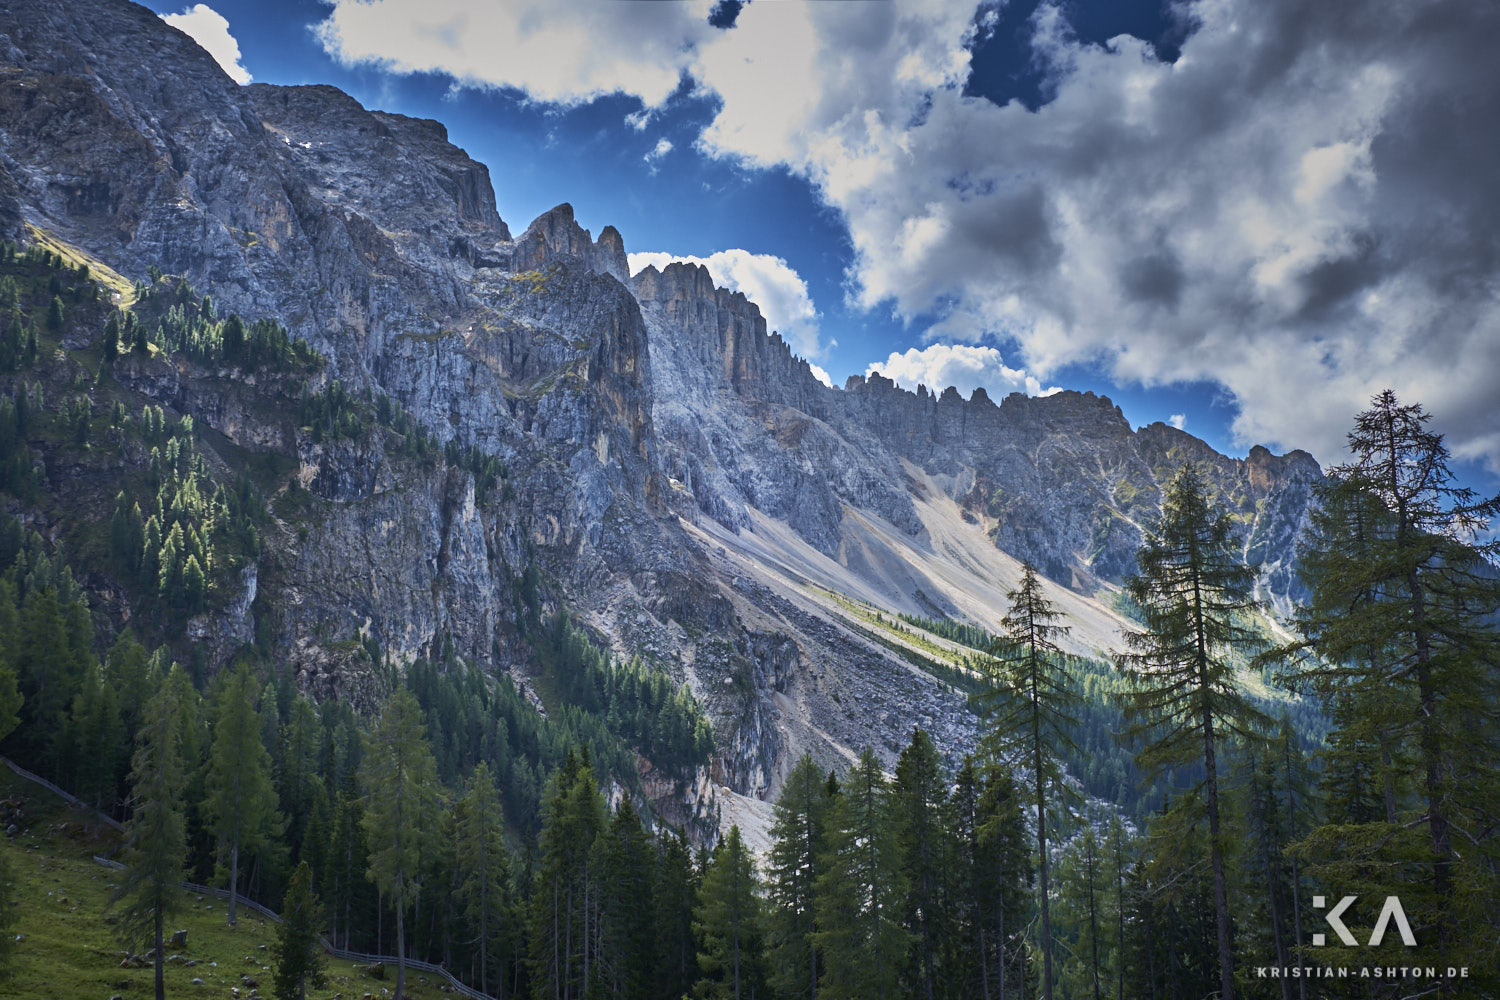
(1334, 921)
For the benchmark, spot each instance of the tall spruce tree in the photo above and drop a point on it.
(299, 949)
(1402, 622)
(565, 897)
(798, 835)
(860, 890)
(100, 743)
(991, 883)
(729, 922)
(485, 867)
(1193, 590)
(674, 893)
(1030, 699)
(399, 778)
(627, 943)
(919, 801)
(156, 833)
(241, 806)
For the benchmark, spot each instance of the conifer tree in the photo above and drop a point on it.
(860, 890)
(674, 893)
(991, 883)
(918, 805)
(348, 859)
(1081, 879)
(241, 806)
(297, 776)
(626, 942)
(299, 950)
(99, 742)
(797, 850)
(233, 337)
(111, 337)
(1193, 590)
(1030, 701)
(10, 692)
(51, 659)
(1402, 622)
(156, 834)
(399, 780)
(565, 898)
(126, 534)
(191, 732)
(485, 868)
(730, 924)
(1171, 943)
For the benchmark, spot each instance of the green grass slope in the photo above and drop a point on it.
(67, 947)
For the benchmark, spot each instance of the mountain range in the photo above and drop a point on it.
(674, 475)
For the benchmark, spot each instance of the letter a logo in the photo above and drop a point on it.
(1392, 909)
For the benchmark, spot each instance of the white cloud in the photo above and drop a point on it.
(1300, 208)
(662, 148)
(963, 366)
(1295, 209)
(558, 51)
(820, 375)
(210, 30)
(768, 281)
(1178, 420)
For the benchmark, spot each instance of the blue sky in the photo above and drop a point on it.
(1212, 212)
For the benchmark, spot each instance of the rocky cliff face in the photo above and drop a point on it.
(682, 479)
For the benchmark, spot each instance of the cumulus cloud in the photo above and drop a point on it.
(1302, 207)
(210, 30)
(768, 281)
(558, 51)
(820, 375)
(662, 148)
(1178, 420)
(963, 366)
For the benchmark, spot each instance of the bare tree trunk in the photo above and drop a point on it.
(400, 951)
(234, 881)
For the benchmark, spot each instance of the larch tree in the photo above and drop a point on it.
(156, 833)
(241, 806)
(399, 779)
(1029, 699)
(1403, 627)
(1183, 698)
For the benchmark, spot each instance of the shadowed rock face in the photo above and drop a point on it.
(682, 478)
